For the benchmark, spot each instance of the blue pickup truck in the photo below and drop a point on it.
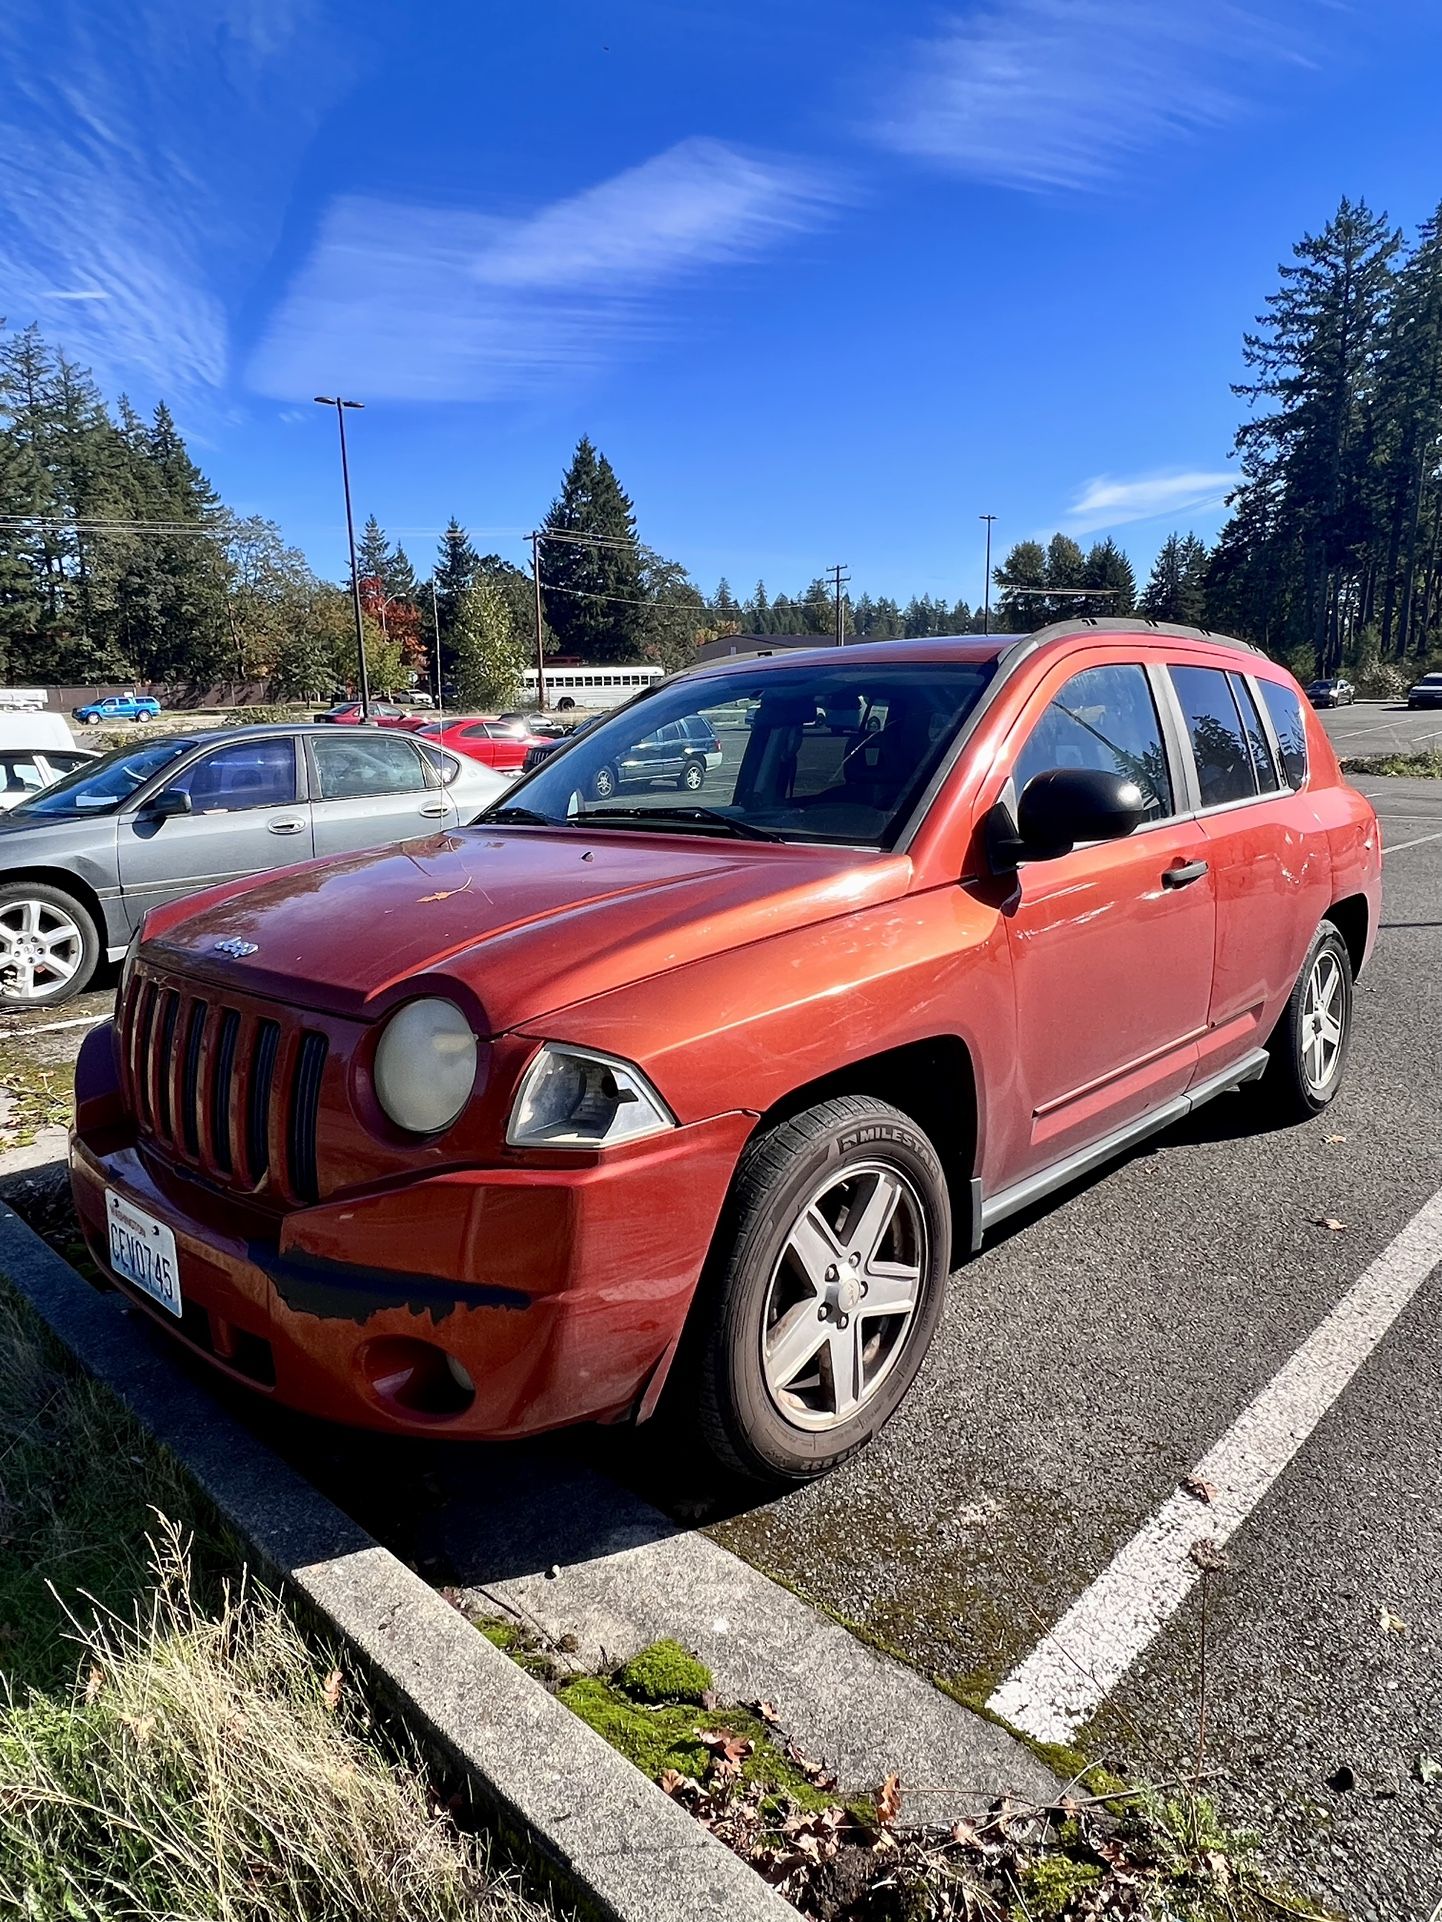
(119, 707)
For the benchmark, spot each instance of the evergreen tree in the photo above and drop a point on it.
(373, 555)
(592, 580)
(1024, 567)
(676, 615)
(725, 606)
(758, 611)
(1176, 587)
(1314, 363)
(1407, 445)
(1108, 571)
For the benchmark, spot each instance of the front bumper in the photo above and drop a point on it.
(560, 1292)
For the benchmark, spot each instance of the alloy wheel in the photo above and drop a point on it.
(843, 1295)
(1323, 1012)
(41, 949)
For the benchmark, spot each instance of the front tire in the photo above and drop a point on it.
(1310, 1043)
(49, 946)
(823, 1291)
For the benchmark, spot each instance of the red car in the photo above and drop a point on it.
(506, 1129)
(382, 714)
(500, 744)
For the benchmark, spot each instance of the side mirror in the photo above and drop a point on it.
(1060, 808)
(170, 800)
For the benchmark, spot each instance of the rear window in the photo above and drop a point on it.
(1285, 711)
(1225, 770)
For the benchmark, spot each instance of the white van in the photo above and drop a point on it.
(35, 749)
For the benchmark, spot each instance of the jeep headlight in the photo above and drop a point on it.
(575, 1098)
(425, 1065)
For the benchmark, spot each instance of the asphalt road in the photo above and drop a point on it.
(1087, 1361)
(1371, 727)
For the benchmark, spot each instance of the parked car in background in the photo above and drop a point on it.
(497, 744)
(1331, 691)
(119, 707)
(681, 753)
(22, 700)
(1427, 692)
(539, 726)
(25, 771)
(81, 861)
(350, 713)
(606, 1089)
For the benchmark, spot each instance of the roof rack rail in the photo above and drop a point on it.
(1088, 623)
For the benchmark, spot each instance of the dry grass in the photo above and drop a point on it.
(172, 1748)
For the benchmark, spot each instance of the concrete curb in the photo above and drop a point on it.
(626, 1848)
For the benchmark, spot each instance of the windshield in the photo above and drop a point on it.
(99, 787)
(837, 751)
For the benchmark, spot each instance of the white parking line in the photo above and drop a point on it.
(1074, 1668)
(1400, 847)
(54, 1027)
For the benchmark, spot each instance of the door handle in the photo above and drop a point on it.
(435, 807)
(285, 827)
(1183, 877)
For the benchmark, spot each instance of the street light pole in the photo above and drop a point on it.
(540, 626)
(986, 589)
(436, 622)
(326, 400)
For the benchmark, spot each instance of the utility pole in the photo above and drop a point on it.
(540, 630)
(837, 578)
(436, 623)
(986, 590)
(364, 684)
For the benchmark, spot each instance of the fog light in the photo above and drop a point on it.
(416, 1376)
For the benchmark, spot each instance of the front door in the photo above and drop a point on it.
(245, 816)
(370, 789)
(1111, 944)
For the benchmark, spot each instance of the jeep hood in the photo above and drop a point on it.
(531, 920)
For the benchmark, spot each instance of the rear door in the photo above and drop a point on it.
(247, 815)
(1111, 945)
(1269, 857)
(368, 789)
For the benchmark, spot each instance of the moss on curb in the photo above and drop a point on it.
(665, 1672)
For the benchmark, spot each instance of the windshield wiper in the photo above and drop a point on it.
(683, 817)
(520, 817)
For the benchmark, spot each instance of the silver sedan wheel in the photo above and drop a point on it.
(41, 949)
(1322, 1013)
(843, 1295)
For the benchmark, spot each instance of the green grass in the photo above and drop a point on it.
(1423, 764)
(171, 1745)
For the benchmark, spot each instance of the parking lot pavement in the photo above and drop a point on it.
(1382, 727)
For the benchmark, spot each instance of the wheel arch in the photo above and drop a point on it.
(934, 1081)
(66, 881)
(1351, 917)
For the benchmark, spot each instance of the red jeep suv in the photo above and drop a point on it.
(499, 1130)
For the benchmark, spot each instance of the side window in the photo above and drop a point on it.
(247, 774)
(1224, 763)
(1104, 718)
(1291, 730)
(21, 774)
(354, 767)
(1258, 746)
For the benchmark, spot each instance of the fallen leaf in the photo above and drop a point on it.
(1210, 1557)
(1427, 1770)
(1389, 1623)
(888, 1799)
(725, 1746)
(1333, 1140)
(1194, 1485)
(330, 1689)
(94, 1682)
(671, 1780)
(1329, 1222)
(451, 1595)
(767, 1712)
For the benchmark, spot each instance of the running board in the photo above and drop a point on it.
(1010, 1201)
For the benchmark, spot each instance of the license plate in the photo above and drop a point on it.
(142, 1251)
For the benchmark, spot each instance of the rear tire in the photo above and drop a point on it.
(604, 784)
(792, 1373)
(1310, 1043)
(49, 946)
(693, 777)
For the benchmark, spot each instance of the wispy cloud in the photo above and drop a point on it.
(147, 148)
(1054, 94)
(424, 303)
(1107, 502)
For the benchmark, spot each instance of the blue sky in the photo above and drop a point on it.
(825, 279)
